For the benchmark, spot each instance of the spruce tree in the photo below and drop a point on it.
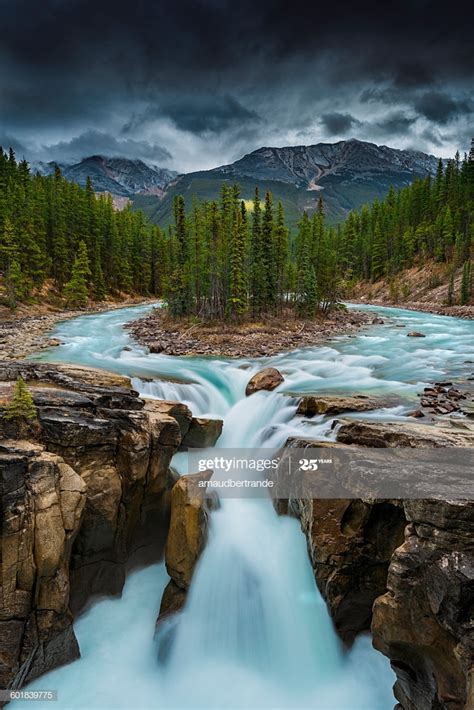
(14, 280)
(258, 273)
(237, 304)
(281, 254)
(76, 290)
(378, 253)
(21, 405)
(466, 283)
(179, 295)
(268, 274)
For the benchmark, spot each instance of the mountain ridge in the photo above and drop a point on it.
(121, 177)
(325, 157)
(346, 174)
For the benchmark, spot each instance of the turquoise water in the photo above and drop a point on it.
(255, 632)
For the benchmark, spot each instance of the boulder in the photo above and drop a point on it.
(177, 410)
(416, 414)
(266, 379)
(311, 405)
(202, 433)
(415, 334)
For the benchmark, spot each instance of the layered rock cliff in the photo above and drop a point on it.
(86, 495)
(424, 623)
(404, 568)
(43, 501)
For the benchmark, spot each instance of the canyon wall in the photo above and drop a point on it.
(86, 489)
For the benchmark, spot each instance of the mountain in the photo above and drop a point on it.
(346, 174)
(121, 177)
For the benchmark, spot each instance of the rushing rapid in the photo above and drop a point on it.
(255, 632)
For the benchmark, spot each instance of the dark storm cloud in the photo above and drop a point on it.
(432, 137)
(396, 122)
(440, 108)
(8, 141)
(338, 123)
(96, 142)
(196, 113)
(233, 73)
(411, 76)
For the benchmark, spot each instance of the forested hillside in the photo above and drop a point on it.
(432, 220)
(228, 258)
(59, 239)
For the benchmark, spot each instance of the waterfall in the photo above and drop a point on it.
(254, 632)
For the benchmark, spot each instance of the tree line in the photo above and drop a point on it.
(227, 258)
(230, 259)
(222, 259)
(431, 220)
(58, 237)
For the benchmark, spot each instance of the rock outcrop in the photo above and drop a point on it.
(43, 501)
(315, 404)
(405, 567)
(186, 538)
(196, 432)
(202, 433)
(424, 623)
(93, 435)
(266, 379)
(410, 434)
(350, 543)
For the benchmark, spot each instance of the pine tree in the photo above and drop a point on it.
(281, 254)
(21, 405)
(179, 295)
(76, 291)
(378, 253)
(466, 283)
(306, 276)
(237, 305)
(268, 274)
(450, 298)
(14, 280)
(258, 273)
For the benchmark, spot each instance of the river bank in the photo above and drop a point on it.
(421, 288)
(465, 312)
(26, 331)
(270, 336)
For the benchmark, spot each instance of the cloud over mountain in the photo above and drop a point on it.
(208, 81)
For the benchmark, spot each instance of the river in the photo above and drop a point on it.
(255, 632)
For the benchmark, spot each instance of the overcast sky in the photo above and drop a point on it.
(191, 84)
